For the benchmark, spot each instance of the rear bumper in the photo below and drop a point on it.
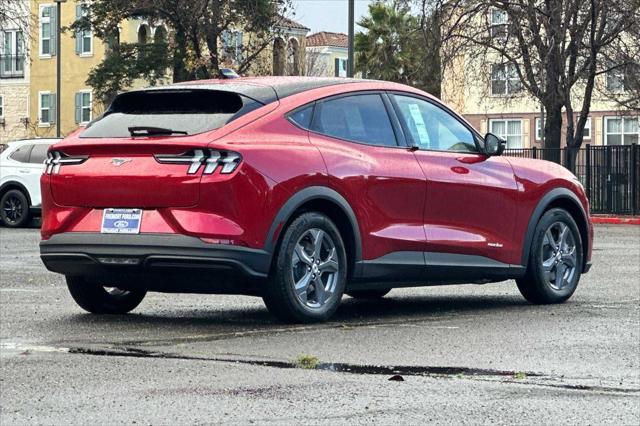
(157, 262)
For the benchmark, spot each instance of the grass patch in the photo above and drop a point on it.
(520, 375)
(308, 362)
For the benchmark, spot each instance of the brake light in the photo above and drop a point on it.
(56, 159)
(211, 159)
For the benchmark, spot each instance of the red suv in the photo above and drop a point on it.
(299, 190)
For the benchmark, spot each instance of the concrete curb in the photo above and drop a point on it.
(616, 220)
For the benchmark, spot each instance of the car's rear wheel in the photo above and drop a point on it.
(308, 278)
(369, 294)
(99, 299)
(555, 259)
(15, 209)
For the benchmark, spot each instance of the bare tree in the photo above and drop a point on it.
(315, 63)
(557, 48)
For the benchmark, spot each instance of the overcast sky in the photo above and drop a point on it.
(327, 15)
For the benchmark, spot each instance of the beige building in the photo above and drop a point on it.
(28, 65)
(80, 53)
(490, 95)
(327, 54)
(14, 73)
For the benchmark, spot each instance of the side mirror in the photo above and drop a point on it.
(493, 145)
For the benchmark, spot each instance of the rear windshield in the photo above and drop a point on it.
(169, 113)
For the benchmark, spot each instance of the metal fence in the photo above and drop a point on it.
(610, 174)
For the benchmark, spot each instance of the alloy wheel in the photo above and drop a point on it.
(559, 258)
(115, 291)
(315, 268)
(13, 209)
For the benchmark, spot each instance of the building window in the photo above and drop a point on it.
(11, 54)
(538, 129)
(84, 38)
(498, 23)
(341, 67)
(509, 130)
(621, 130)
(619, 78)
(46, 108)
(504, 80)
(1, 106)
(83, 107)
(232, 45)
(47, 30)
(586, 134)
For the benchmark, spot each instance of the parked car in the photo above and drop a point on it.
(300, 190)
(21, 164)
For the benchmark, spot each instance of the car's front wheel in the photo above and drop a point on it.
(99, 299)
(308, 278)
(555, 259)
(15, 209)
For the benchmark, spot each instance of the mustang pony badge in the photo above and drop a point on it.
(120, 161)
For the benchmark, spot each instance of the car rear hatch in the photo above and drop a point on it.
(145, 151)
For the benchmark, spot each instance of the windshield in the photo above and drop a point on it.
(177, 112)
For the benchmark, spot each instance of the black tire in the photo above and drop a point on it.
(94, 298)
(369, 294)
(14, 209)
(534, 286)
(279, 295)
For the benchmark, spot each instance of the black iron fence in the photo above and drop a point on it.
(610, 174)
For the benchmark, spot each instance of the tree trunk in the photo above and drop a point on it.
(553, 133)
(180, 72)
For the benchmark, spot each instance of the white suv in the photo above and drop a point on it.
(21, 164)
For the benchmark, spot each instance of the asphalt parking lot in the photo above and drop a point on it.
(465, 354)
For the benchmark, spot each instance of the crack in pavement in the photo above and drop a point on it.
(516, 377)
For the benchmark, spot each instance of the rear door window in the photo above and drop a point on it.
(21, 154)
(358, 118)
(175, 112)
(38, 153)
(302, 117)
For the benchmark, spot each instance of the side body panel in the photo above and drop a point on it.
(471, 205)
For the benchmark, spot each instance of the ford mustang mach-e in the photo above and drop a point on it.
(300, 190)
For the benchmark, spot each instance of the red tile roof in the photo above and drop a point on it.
(285, 22)
(325, 38)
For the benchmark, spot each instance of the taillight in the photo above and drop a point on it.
(211, 159)
(56, 159)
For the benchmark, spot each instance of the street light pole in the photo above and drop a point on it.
(58, 61)
(350, 39)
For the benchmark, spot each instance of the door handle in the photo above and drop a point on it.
(471, 159)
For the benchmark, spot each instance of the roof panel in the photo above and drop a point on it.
(262, 89)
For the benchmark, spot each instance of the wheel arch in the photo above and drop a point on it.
(558, 198)
(323, 200)
(8, 186)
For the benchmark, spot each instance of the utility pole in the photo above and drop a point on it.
(58, 61)
(350, 39)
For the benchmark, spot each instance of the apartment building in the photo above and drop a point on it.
(14, 72)
(490, 95)
(28, 56)
(79, 54)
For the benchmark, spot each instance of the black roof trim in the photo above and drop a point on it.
(264, 93)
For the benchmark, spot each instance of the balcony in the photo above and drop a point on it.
(11, 66)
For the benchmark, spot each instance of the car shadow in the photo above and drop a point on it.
(352, 312)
